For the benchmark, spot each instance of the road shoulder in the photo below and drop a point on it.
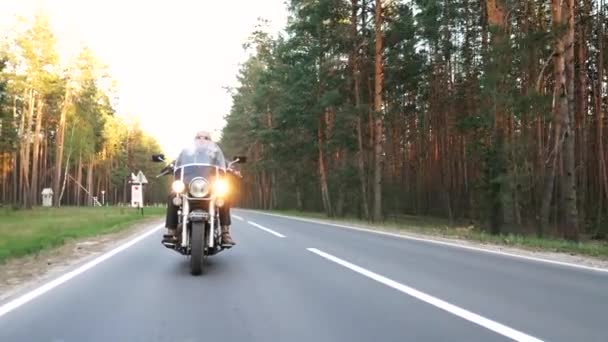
(542, 255)
(20, 274)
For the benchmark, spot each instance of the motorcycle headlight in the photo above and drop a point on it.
(221, 188)
(199, 188)
(178, 186)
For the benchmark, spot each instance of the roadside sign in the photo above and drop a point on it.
(137, 196)
(137, 190)
(141, 178)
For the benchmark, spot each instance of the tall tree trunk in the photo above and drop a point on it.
(603, 178)
(581, 117)
(25, 159)
(20, 153)
(322, 170)
(124, 192)
(3, 174)
(78, 194)
(27, 151)
(67, 164)
(444, 164)
(356, 62)
(341, 186)
(564, 83)
(35, 164)
(264, 190)
(97, 191)
(498, 170)
(298, 188)
(599, 125)
(59, 146)
(15, 178)
(15, 171)
(551, 171)
(65, 180)
(273, 190)
(299, 203)
(361, 170)
(378, 109)
(90, 169)
(45, 159)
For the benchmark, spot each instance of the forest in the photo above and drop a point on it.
(59, 128)
(484, 111)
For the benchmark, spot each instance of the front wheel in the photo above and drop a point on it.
(197, 251)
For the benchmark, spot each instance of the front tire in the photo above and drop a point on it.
(197, 252)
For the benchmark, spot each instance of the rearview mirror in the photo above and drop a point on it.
(158, 158)
(239, 160)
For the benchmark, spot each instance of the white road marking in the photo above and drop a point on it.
(17, 302)
(266, 229)
(443, 305)
(444, 243)
(238, 217)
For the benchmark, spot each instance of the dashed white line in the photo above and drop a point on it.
(17, 302)
(443, 305)
(266, 229)
(238, 217)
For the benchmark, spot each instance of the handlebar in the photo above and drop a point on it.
(235, 172)
(165, 171)
(169, 168)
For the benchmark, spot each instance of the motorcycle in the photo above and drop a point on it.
(200, 185)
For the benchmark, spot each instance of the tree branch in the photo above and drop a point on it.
(542, 72)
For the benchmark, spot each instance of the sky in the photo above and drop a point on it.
(171, 59)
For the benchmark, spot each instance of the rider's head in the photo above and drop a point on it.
(203, 135)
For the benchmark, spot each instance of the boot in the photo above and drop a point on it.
(226, 238)
(171, 235)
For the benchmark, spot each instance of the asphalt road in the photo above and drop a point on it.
(290, 280)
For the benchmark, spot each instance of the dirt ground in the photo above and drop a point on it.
(18, 274)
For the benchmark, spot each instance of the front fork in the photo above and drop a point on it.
(185, 213)
(211, 224)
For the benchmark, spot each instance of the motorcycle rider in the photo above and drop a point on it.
(171, 220)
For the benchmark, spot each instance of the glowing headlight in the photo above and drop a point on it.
(178, 186)
(199, 188)
(220, 188)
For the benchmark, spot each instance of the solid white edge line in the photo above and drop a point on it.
(266, 229)
(23, 299)
(238, 217)
(444, 243)
(443, 305)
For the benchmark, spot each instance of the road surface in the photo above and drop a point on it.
(290, 280)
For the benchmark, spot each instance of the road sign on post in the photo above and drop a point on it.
(141, 178)
(137, 190)
(137, 196)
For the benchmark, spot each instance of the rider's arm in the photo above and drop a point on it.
(235, 172)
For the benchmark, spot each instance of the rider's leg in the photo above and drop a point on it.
(226, 221)
(171, 220)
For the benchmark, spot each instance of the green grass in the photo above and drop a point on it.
(439, 227)
(26, 232)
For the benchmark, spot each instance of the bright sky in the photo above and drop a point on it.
(171, 59)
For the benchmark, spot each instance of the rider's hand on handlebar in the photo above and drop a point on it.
(236, 172)
(166, 170)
